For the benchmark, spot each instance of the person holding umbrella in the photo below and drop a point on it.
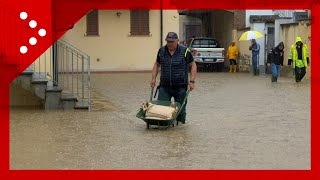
(255, 48)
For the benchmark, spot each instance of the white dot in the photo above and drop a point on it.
(23, 15)
(42, 32)
(33, 24)
(33, 41)
(23, 49)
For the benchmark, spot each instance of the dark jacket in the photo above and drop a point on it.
(174, 69)
(276, 55)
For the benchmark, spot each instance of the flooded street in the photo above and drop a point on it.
(234, 121)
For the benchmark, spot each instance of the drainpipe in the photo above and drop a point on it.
(54, 47)
(161, 23)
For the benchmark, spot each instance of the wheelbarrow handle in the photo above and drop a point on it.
(151, 93)
(152, 89)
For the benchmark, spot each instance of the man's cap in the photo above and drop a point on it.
(171, 36)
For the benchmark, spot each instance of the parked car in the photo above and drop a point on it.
(207, 52)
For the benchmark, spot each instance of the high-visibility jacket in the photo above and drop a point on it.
(294, 55)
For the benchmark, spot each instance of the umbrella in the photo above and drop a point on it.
(248, 35)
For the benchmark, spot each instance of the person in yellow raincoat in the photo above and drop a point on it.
(232, 56)
(299, 58)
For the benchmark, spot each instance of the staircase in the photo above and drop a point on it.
(60, 79)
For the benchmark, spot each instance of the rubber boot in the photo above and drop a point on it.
(235, 68)
(276, 79)
(273, 79)
(230, 68)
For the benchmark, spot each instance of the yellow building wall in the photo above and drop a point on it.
(115, 49)
(244, 57)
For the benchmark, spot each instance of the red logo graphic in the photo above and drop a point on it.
(30, 27)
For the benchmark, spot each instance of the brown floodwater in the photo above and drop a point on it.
(234, 121)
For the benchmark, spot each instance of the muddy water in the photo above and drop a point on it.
(234, 121)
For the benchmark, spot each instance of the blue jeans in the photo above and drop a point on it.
(255, 61)
(178, 93)
(275, 70)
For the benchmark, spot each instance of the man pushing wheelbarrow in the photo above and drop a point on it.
(174, 60)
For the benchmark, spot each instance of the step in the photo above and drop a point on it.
(27, 73)
(39, 87)
(24, 81)
(53, 95)
(68, 102)
(39, 81)
(82, 105)
(53, 89)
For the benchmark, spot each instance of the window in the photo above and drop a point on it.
(139, 22)
(205, 43)
(92, 23)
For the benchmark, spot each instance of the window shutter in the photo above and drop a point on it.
(139, 22)
(92, 23)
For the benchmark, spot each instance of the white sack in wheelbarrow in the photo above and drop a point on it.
(153, 111)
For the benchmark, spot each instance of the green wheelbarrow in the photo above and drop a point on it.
(159, 122)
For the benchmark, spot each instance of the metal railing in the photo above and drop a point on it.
(285, 13)
(67, 67)
(62, 64)
(296, 15)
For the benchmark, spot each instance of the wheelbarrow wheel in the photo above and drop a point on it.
(148, 125)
